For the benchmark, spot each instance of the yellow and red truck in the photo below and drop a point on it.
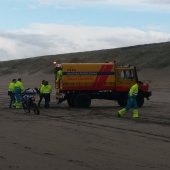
(82, 82)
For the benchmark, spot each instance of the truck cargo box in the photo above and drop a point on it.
(88, 76)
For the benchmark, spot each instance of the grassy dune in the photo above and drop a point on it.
(154, 56)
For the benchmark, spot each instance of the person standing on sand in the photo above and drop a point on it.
(58, 75)
(11, 92)
(40, 92)
(46, 92)
(18, 89)
(131, 102)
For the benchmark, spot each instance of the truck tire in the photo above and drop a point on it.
(70, 101)
(82, 100)
(140, 100)
(122, 100)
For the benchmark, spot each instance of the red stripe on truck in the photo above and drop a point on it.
(102, 78)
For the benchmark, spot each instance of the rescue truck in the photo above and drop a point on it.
(82, 82)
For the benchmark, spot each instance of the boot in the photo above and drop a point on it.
(135, 113)
(121, 112)
(17, 105)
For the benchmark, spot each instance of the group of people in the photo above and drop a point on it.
(16, 89)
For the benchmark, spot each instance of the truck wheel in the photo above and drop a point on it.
(122, 100)
(140, 100)
(70, 101)
(82, 100)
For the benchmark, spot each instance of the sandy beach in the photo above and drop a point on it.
(63, 138)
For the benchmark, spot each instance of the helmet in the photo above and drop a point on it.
(59, 65)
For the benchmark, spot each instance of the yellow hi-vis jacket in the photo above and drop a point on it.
(46, 89)
(41, 87)
(11, 87)
(59, 75)
(20, 85)
(134, 90)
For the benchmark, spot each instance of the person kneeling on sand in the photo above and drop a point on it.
(131, 102)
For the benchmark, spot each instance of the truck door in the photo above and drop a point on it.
(125, 78)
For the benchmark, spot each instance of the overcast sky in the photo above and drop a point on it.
(32, 28)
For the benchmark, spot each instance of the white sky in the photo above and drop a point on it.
(40, 27)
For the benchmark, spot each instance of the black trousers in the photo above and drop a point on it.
(12, 99)
(41, 97)
(47, 99)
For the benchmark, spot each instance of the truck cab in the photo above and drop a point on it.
(126, 76)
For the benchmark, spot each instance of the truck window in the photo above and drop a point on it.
(122, 75)
(129, 74)
(126, 74)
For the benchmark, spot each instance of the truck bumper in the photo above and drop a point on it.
(147, 94)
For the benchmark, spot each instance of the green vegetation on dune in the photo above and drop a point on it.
(154, 56)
